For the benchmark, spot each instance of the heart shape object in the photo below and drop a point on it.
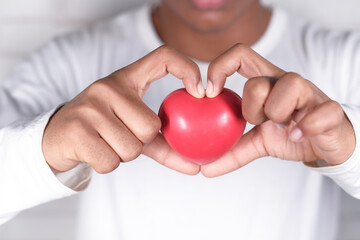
(202, 130)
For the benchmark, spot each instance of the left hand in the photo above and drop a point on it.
(294, 120)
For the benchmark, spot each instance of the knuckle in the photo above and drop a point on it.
(256, 89)
(153, 127)
(100, 88)
(82, 116)
(336, 109)
(86, 109)
(75, 129)
(95, 87)
(150, 130)
(117, 73)
(133, 151)
(334, 106)
(76, 125)
(240, 47)
(108, 165)
(294, 81)
(275, 113)
(163, 51)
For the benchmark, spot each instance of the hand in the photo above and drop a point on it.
(108, 123)
(293, 119)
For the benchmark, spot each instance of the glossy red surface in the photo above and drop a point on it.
(202, 130)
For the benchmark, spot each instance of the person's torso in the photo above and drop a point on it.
(267, 199)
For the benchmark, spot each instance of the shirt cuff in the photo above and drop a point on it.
(26, 180)
(347, 174)
(77, 178)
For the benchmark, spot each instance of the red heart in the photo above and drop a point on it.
(202, 130)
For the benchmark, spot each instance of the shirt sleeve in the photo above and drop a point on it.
(334, 57)
(347, 174)
(26, 179)
(28, 97)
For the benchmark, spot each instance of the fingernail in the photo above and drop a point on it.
(296, 134)
(201, 89)
(209, 88)
(280, 125)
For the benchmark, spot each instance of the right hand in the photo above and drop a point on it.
(108, 123)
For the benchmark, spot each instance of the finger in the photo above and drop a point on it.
(92, 149)
(159, 63)
(255, 94)
(291, 95)
(133, 112)
(241, 59)
(126, 105)
(323, 118)
(245, 151)
(160, 151)
(281, 100)
(126, 145)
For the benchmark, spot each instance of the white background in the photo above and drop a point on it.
(27, 24)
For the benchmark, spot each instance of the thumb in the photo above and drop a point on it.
(245, 151)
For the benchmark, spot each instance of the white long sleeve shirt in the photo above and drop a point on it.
(267, 199)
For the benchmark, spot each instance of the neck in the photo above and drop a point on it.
(247, 28)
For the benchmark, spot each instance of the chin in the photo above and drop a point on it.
(209, 25)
